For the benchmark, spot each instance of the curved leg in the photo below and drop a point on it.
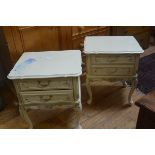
(89, 92)
(78, 113)
(74, 123)
(133, 86)
(25, 116)
(21, 113)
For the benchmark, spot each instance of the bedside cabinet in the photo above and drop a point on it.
(48, 80)
(111, 58)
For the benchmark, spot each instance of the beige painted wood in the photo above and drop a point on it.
(46, 97)
(65, 94)
(111, 45)
(47, 64)
(45, 84)
(48, 83)
(111, 58)
(123, 70)
(112, 70)
(114, 59)
(109, 110)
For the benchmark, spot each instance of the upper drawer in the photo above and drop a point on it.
(45, 84)
(112, 59)
(47, 97)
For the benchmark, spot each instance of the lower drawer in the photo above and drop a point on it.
(45, 84)
(46, 97)
(109, 71)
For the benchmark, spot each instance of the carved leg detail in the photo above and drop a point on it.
(74, 120)
(78, 113)
(89, 92)
(25, 116)
(133, 86)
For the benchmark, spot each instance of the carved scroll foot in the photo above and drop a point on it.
(133, 86)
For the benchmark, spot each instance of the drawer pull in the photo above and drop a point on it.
(43, 83)
(109, 71)
(112, 59)
(46, 98)
(112, 70)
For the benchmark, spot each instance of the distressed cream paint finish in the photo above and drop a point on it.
(111, 58)
(48, 80)
(111, 45)
(47, 64)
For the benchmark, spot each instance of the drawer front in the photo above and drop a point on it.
(47, 97)
(112, 59)
(46, 84)
(109, 71)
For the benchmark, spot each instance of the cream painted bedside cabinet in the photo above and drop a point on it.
(48, 80)
(111, 58)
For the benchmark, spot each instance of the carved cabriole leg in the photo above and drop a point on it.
(78, 111)
(89, 91)
(133, 86)
(74, 119)
(25, 116)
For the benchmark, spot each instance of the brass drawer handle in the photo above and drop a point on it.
(112, 59)
(46, 98)
(43, 83)
(112, 70)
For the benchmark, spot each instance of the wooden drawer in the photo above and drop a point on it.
(123, 70)
(112, 59)
(45, 84)
(47, 97)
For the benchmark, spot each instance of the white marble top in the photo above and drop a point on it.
(111, 45)
(47, 64)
